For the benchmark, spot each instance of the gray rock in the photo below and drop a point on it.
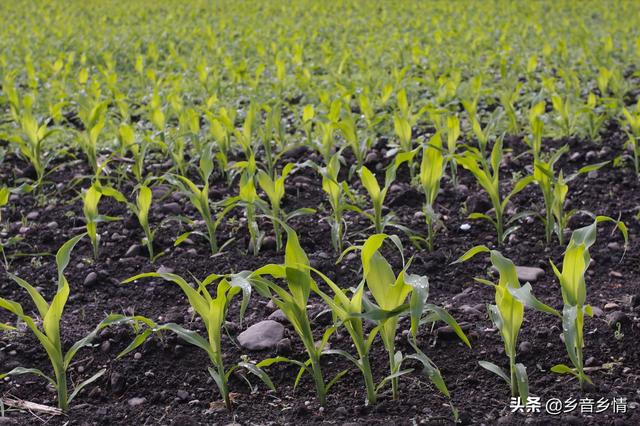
(183, 395)
(91, 279)
(165, 270)
(33, 215)
(136, 401)
(529, 273)
(278, 315)
(172, 208)
(284, 346)
(269, 243)
(617, 317)
(524, 347)
(447, 332)
(263, 335)
(134, 250)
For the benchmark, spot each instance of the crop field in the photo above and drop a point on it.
(319, 212)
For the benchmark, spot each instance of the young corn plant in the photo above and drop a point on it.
(93, 115)
(292, 299)
(46, 328)
(199, 198)
(431, 171)
(274, 189)
(390, 294)
(140, 209)
(4, 200)
(566, 119)
(554, 192)
(249, 200)
(488, 177)
(453, 134)
(507, 315)
(632, 122)
(536, 128)
(593, 118)
(337, 192)
(91, 198)
(378, 195)
(574, 294)
(33, 134)
(213, 311)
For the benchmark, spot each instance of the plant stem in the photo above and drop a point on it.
(61, 380)
(392, 367)
(317, 378)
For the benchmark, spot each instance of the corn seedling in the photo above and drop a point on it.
(46, 328)
(140, 209)
(378, 195)
(431, 171)
(199, 198)
(293, 300)
(337, 192)
(632, 120)
(554, 192)
(274, 189)
(507, 315)
(453, 134)
(33, 134)
(91, 198)
(93, 115)
(574, 295)
(390, 294)
(213, 311)
(488, 177)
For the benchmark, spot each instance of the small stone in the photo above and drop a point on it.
(613, 246)
(505, 420)
(278, 315)
(136, 401)
(447, 332)
(371, 157)
(590, 362)
(284, 346)
(617, 317)
(341, 412)
(572, 420)
(91, 279)
(33, 215)
(263, 335)
(610, 306)
(105, 346)
(470, 310)
(117, 383)
(529, 273)
(52, 225)
(172, 208)
(465, 227)
(615, 274)
(183, 395)
(165, 270)
(269, 243)
(477, 204)
(133, 250)
(137, 356)
(524, 347)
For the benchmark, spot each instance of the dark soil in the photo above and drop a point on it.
(171, 376)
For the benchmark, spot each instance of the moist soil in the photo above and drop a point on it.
(166, 381)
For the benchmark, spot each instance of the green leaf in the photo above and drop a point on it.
(82, 385)
(496, 370)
